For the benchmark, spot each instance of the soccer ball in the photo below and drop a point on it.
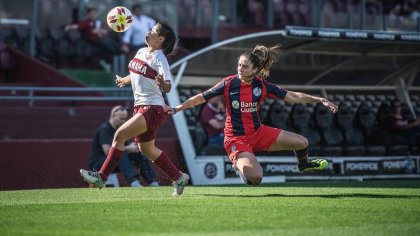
(119, 19)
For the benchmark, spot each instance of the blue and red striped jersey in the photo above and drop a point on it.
(243, 102)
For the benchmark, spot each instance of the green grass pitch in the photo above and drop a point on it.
(308, 208)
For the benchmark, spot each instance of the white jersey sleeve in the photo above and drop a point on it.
(164, 68)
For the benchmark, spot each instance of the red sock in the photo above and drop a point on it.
(114, 155)
(167, 166)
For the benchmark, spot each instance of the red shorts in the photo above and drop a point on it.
(261, 140)
(154, 116)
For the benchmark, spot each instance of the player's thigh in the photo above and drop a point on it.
(289, 141)
(248, 164)
(136, 125)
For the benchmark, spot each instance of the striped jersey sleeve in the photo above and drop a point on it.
(216, 90)
(274, 91)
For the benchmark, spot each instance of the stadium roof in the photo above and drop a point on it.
(320, 57)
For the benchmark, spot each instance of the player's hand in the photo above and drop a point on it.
(132, 148)
(120, 81)
(332, 106)
(169, 110)
(159, 80)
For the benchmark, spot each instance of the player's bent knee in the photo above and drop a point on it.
(119, 137)
(151, 153)
(254, 180)
(147, 152)
(303, 143)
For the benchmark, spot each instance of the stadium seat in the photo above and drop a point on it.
(83, 54)
(10, 37)
(280, 14)
(63, 46)
(73, 35)
(22, 34)
(331, 135)
(46, 45)
(301, 120)
(304, 9)
(352, 134)
(56, 33)
(278, 116)
(199, 137)
(365, 119)
(406, 113)
(80, 47)
(292, 10)
(65, 49)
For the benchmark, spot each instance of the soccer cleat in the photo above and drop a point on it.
(318, 164)
(238, 173)
(93, 178)
(180, 184)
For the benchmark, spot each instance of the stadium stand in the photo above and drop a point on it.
(353, 140)
(332, 139)
(304, 125)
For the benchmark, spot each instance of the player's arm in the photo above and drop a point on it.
(405, 125)
(164, 77)
(197, 99)
(122, 81)
(165, 85)
(297, 97)
(190, 102)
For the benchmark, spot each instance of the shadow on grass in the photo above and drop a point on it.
(409, 183)
(344, 195)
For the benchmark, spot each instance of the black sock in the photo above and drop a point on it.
(302, 155)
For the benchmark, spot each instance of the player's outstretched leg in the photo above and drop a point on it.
(92, 177)
(318, 164)
(180, 184)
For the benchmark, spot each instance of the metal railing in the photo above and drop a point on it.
(29, 94)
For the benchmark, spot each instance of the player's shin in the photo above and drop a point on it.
(114, 155)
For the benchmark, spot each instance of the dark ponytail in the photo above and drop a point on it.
(262, 58)
(170, 39)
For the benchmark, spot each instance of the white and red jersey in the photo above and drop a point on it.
(144, 67)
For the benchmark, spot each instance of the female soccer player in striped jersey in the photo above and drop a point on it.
(244, 133)
(149, 77)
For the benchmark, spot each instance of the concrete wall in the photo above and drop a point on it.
(55, 163)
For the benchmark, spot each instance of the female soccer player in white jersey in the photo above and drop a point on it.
(149, 77)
